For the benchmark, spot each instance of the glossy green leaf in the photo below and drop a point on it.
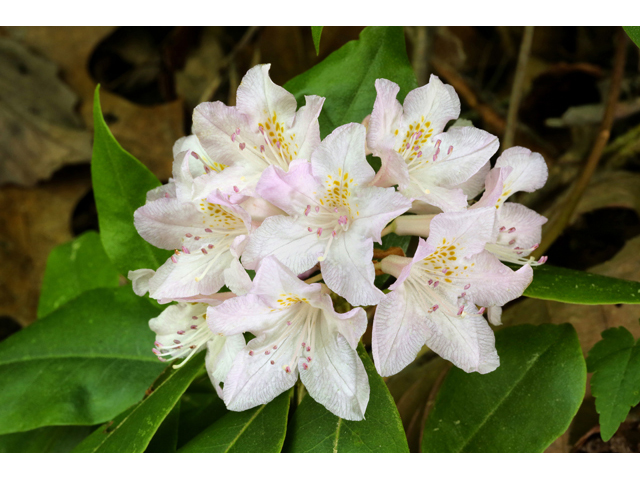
(120, 186)
(165, 440)
(73, 268)
(315, 429)
(316, 33)
(132, 432)
(258, 430)
(615, 384)
(574, 286)
(346, 77)
(80, 365)
(523, 406)
(633, 32)
(61, 439)
(200, 407)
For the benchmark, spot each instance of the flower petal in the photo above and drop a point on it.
(529, 173)
(385, 118)
(375, 208)
(468, 342)
(342, 152)
(305, 128)
(140, 280)
(287, 240)
(259, 97)
(253, 380)
(165, 222)
(469, 231)
(248, 313)
(290, 191)
(335, 377)
(221, 352)
(522, 226)
(399, 331)
(436, 102)
(190, 275)
(348, 269)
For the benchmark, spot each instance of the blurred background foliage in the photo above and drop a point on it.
(559, 79)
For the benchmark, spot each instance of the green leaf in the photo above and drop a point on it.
(132, 432)
(633, 32)
(346, 77)
(120, 185)
(573, 286)
(165, 440)
(258, 430)
(74, 268)
(200, 407)
(316, 33)
(615, 384)
(523, 406)
(315, 429)
(81, 365)
(44, 440)
(388, 241)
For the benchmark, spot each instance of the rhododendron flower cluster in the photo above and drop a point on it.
(258, 203)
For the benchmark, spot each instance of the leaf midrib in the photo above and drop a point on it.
(497, 405)
(64, 357)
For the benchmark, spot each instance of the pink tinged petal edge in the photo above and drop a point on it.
(290, 191)
(494, 284)
(399, 332)
(164, 222)
(494, 188)
(336, 378)
(530, 171)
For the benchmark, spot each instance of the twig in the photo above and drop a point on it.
(492, 119)
(557, 225)
(421, 54)
(227, 61)
(516, 91)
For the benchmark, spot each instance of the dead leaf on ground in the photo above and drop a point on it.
(40, 130)
(148, 133)
(32, 222)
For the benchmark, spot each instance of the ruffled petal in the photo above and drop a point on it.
(258, 97)
(335, 377)
(529, 172)
(248, 313)
(519, 226)
(140, 280)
